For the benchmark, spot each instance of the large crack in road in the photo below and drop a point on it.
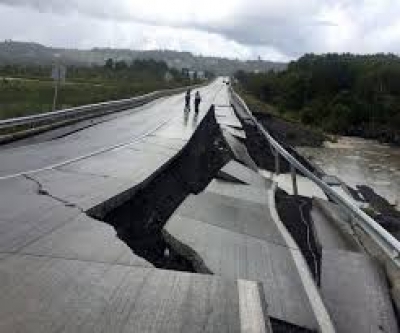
(140, 217)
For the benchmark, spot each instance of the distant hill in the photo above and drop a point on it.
(12, 52)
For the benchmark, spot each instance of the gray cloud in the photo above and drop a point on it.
(286, 28)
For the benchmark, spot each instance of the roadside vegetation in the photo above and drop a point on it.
(26, 90)
(338, 93)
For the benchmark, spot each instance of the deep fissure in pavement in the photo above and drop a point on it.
(261, 151)
(294, 212)
(140, 217)
(280, 326)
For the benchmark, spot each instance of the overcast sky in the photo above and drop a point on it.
(245, 29)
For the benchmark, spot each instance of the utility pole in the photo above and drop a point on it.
(56, 83)
(58, 74)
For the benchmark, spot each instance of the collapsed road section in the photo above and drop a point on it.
(347, 266)
(206, 211)
(83, 248)
(209, 211)
(140, 218)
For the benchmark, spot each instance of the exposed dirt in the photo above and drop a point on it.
(382, 211)
(290, 133)
(261, 151)
(294, 212)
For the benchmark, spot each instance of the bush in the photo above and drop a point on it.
(338, 121)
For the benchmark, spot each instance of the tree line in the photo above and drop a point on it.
(340, 93)
(112, 70)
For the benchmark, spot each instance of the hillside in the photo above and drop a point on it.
(340, 93)
(35, 54)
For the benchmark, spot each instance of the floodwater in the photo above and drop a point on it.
(361, 162)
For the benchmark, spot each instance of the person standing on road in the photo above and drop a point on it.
(187, 99)
(197, 101)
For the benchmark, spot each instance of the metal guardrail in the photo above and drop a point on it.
(87, 111)
(389, 244)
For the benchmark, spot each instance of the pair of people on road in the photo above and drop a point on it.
(197, 100)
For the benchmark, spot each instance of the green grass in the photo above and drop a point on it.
(26, 97)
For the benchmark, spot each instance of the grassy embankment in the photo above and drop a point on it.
(26, 90)
(26, 96)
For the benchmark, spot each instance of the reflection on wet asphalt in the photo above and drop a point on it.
(194, 119)
(185, 117)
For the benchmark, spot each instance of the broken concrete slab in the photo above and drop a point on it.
(239, 151)
(224, 176)
(232, 122)
(235, 255)
(226, 116)
(241, 174)
(139, 214)
(93, 181)
(49, 295)
(87, 240)
(305, 186)
(335, 227)
(355, 291)
(328, 235)
(241, 216)
(239, 134)
(238, 191)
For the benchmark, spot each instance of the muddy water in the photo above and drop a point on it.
(357, 161)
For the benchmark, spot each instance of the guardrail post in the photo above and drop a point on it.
(294, 180)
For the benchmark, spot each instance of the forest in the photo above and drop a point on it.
(339, 93)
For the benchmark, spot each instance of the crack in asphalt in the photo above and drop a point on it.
(42, 191)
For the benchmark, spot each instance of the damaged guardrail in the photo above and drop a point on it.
(389, 244)
(66, 116)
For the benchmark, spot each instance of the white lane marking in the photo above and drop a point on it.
(97, 152)
(82, 157)
(321, 314)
